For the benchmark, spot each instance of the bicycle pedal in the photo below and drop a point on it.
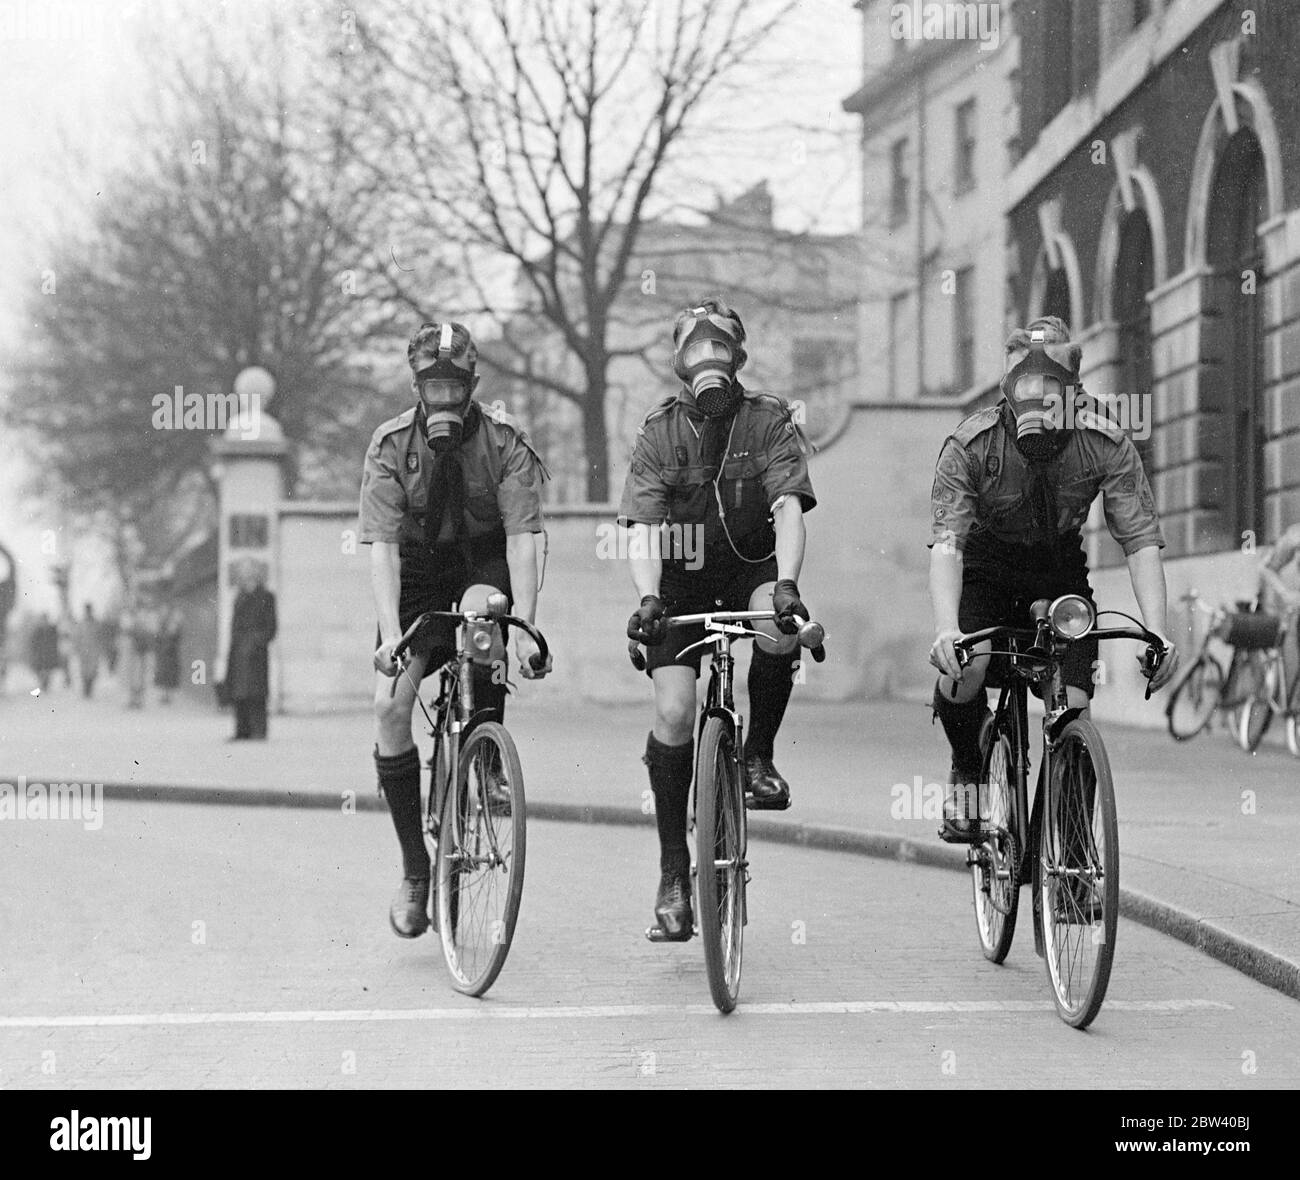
(977, 836)
(752, 804)
(659, 934)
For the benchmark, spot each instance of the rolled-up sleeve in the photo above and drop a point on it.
(645, 495)
(383, 499)
(954, 498)
(519, 492)
(1127, 499)
(786, 473)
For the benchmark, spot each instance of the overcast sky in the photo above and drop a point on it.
(785, 126)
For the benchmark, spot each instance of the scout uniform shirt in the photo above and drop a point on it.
(503, 476)
(675, 462)
(984, 487)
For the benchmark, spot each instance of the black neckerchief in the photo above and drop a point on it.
(447, 484)
(1043, 507)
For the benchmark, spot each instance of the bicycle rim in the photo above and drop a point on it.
(720, 838)
(1079, 874)
(1257, 713)
(1192, 703)
(995, 861)
(480, 867)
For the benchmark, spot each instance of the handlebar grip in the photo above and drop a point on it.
(963, 654)
(635, 654)
(1152, 658)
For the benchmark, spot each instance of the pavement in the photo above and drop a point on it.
(191, 947)
(1208, 834)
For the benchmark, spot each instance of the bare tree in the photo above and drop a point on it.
(224, 241)
(539, 132)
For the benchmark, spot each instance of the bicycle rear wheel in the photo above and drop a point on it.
(1079, 873)
(1193, 701)
(995, 861)
(480, 864)
(1257, 713)
(721, 870)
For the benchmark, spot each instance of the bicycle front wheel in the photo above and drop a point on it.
(720, 839)
(1193, 701)
(480, 862)
(995, 861)
(1079, 873)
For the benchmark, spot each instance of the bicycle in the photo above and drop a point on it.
(1204, 691)
(1274, 692)
(1068, 845)
(719, 795)
(476, 834)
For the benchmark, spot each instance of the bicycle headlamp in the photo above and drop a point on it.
(481, 639)
(1071, 616)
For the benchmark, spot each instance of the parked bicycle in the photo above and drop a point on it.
(477, 833)
(721, 869)
(1068, 845)
(1256, 685)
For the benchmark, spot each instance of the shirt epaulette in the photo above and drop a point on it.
(498, 416)
(972, 426)
(403, 420)
(659, 409)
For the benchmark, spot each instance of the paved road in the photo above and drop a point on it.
(858, 972)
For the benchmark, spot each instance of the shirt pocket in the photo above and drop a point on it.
(1075, 499)
(689, 490)
(481, 502)
(744, 498)
(1005, 512)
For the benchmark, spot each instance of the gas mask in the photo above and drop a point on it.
(707, 357)
(1037, 389)
(444, 387)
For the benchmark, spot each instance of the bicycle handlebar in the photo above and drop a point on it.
(811, 635)
(1151, 660)
(537, 661)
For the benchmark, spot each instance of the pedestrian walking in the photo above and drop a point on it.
(167, 654)
(252, 627)
(110, 630)
(87, 643)
(44, 650)
(137, 643)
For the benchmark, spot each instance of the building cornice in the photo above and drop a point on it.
(1149, 47)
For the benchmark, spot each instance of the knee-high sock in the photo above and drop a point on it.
(961, 724)
(770, 683)
(399, 780)
(670, 780)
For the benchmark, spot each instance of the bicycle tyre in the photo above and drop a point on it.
(995, 871)
(1195, 698)
(1073, 830)
(473, 851)
(1257, 713)
(720, 842)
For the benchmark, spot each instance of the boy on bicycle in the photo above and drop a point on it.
(725, 469)
(449, 505)
(1012, 490)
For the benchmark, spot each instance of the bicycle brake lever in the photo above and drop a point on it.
(818, 653)
(635, 654)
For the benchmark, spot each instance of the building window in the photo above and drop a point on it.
(898, 337)
(1056, 299)
(964, 156)
(1058, 56)
(248, 532)
(963, 328)
(1134, 277)
(1237, 206)
(899, 183)
(1141, 10)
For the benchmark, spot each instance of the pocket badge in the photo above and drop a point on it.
(412, 461)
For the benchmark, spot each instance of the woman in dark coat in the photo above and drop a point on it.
(252, 627)
(167, 654)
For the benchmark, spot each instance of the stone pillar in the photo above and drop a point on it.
(1281, 240)
(1099, 372)
(249, 469)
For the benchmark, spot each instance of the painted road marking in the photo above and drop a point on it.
(491, 1011)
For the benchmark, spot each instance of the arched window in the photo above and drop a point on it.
(1056, 297)
(1237, 206)
(1134, 277)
